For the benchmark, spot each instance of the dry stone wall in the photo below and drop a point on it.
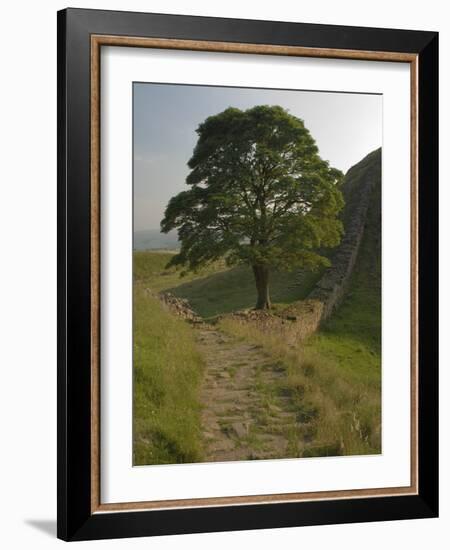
(178, 306)
(332, 286)
(292, 324)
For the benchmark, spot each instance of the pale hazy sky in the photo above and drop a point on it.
(346, 127)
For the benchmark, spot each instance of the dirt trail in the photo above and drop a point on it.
(245, 414)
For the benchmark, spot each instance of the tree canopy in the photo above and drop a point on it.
(259, 194)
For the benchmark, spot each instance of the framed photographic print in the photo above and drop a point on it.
(247, 253)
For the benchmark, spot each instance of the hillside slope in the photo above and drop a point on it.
(359, 314)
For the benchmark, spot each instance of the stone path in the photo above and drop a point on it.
(245, 414)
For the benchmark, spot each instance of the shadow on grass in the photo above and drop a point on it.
(234, 289)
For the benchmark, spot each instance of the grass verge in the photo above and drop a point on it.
(337, 407)
(166, 375)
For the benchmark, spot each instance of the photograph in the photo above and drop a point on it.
(247, 257)
(257, 267)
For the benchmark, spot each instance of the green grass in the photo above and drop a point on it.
(167, 375)
(217, 288)
(149, 269)
(338, 407)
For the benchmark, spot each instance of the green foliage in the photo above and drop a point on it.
(259, 194)
(167, 372)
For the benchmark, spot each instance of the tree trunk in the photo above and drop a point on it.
(262, 286)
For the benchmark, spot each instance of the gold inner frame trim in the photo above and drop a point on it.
(97, 41)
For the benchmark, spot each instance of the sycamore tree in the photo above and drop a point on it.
(259, 194)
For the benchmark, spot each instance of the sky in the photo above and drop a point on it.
(346, 128)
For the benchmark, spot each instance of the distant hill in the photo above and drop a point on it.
(153, 239)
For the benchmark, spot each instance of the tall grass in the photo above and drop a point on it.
(338, 409)
(167, 375)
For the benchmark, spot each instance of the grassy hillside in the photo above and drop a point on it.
(166, 375)
(218, 289)
(359, 316)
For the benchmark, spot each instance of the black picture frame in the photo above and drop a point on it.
(75, 518)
